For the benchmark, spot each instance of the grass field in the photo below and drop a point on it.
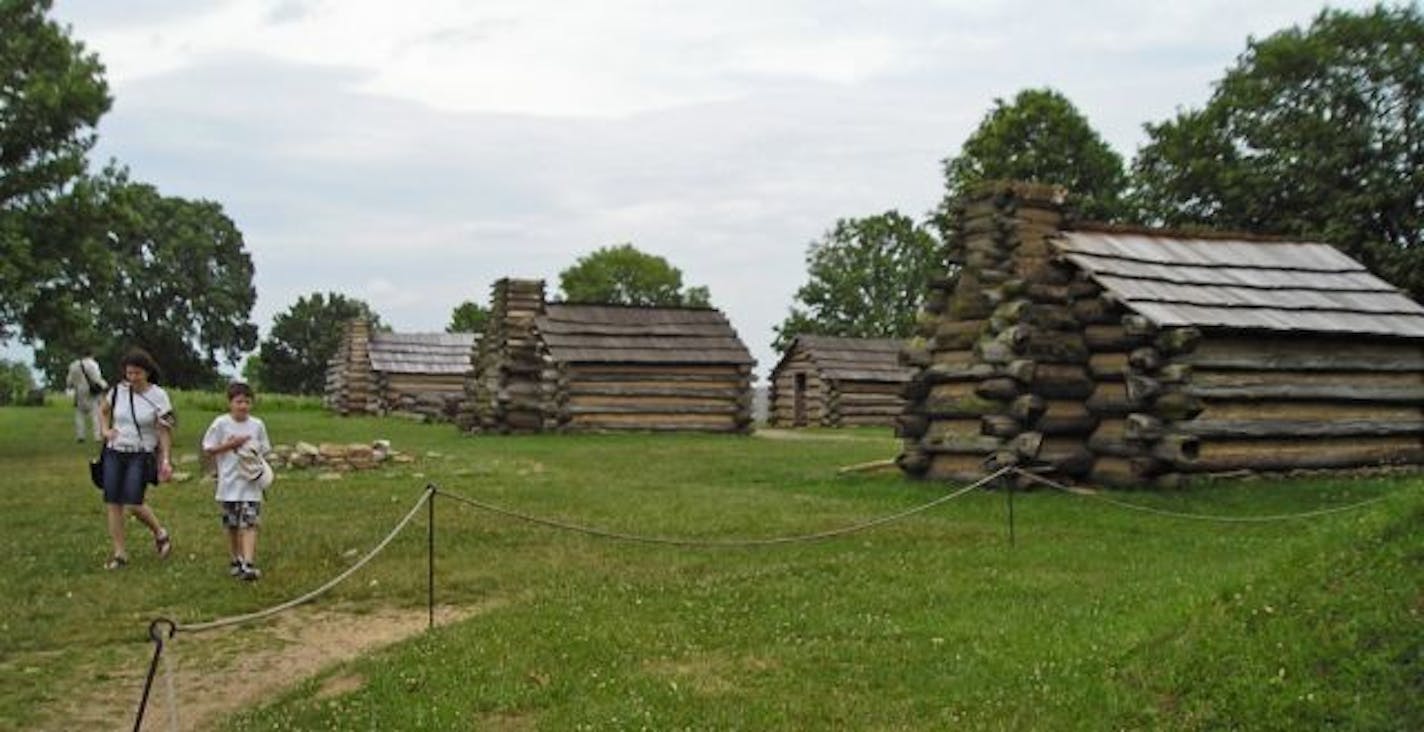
(1097, 618)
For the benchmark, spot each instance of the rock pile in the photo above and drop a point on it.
(336, 456)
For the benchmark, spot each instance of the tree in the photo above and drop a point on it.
(16, 382)
(1316, 133)
(623, 275)
(294, 355)
(52, 94)
(468, 317)
(1040, 137)
(867, 278)
(167, 274)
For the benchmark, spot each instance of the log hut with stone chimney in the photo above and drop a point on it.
(827, 381)
(1131, 357)
(415, 374)
(551, 366)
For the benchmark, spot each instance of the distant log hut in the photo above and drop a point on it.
(1134, 356)
(546, 366)
(416, 374)
(838, 382)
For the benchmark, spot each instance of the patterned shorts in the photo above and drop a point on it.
(241, 514)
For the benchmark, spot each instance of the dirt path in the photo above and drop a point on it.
(212, 679)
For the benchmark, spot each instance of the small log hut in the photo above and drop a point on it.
(415, 374)
(550, 366)
(838, 382)
(1130, 357)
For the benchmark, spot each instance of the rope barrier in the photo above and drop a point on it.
(722, 543)
(238, 619)
(1200, 516)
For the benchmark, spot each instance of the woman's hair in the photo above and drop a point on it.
(140, 358)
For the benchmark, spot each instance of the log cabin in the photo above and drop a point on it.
(828, 381)
(421, 375)
(1139, 357)
(552, 366)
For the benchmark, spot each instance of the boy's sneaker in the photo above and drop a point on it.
(234, 568)
(163, 543)
(250, 573)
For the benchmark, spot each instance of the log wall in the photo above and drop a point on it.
(667, 397)
(783, 393)
(510, 388)
(1023, 358)
(350, 383)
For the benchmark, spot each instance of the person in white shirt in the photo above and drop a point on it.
(88, 385)
(138, 421)
(237, 441)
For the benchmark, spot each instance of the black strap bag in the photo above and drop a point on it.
(150, 461)
(95, 389)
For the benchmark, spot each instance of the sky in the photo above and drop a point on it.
(410, 154)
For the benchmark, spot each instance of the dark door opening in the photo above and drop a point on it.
(798, 402)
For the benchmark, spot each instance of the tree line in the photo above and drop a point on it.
(1313, 132)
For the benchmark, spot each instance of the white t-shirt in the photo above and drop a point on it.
(231, 485)
(148, 406)
(83, 373)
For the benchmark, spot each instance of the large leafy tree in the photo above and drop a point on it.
(52, 94)
(1315, 132)
(468, 317)
(1041, 137)
(293, 357)
(167, 274)
(623, 275)
(867, 277)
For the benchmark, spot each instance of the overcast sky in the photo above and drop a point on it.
(409, 154)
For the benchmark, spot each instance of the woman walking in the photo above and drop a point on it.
(138, 422)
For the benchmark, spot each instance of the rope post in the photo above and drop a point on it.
(1009, 495)
(430, 553)
(157, 637)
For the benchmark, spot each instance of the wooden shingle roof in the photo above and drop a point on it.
(855, 359)
(1238, 284)
(421, 353)
(617, 334)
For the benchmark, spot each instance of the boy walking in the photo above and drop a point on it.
(237, 440)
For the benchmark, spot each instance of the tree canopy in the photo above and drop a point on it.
(867, 277)
(52, 94)
(468, 317)
(1039, 137)
(623, 275)
(293, 357)
(1315, 132)
(167, 274)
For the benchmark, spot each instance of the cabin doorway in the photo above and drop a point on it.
(798, 401)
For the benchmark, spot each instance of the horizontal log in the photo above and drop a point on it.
(1308, 411)
(1335, 392)
(957, 468)
(957, 334)
(967, 406)
(1177, 449)
(1306, 354)
(1306, 379)
(652, 408)
(1298, 453)
(1001, 388)
(1055, 347)
(1125, 472)
(1112, 337)
(1138, 325)
(948, 373)
(1027, 408)
(961, 444)
(1108, 366)
(1066, 456)
(1111, 399)
(638, 390)
(1000, 425)
(1062, 381)
(1176, 406)
(1065, 417)
(1240, 428)
(1096, 311)
(1110, 438)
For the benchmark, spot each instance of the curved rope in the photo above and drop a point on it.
(238, 619)
(1201, 516)
(720, 543)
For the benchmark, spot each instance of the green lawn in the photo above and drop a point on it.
(1098, 618)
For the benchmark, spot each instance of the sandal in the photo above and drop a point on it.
(164, 544)
(116, 562)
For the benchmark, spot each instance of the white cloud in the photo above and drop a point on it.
(411, 154)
